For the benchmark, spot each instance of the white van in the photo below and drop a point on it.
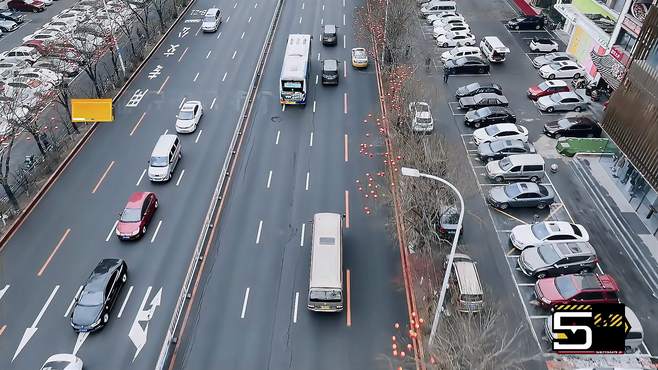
(438, 7)
(517, 167)
(493, 49)
(211, 20)
(460, 51)
(164, 158)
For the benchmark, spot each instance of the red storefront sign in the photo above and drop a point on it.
(619, 54)
(631, 25)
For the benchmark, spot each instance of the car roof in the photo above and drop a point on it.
(506, 126)
(567, 62)
(106, 265)
(330, 28)
(136, 199)
(496, 109)
(592, 281)
(574, 249)
(189, 105)
(330, 64)
(490, 95)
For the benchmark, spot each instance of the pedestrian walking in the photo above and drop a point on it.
(407, 51)
(446, 74)
(428, 62)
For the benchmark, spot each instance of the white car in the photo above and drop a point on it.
(25, 96)
(11, 113)
(21, 53)
(7, 25)
(43, 35)
(500, 131)
(32, 85)
(458, 38)
(65, 67)
(460, 51)
(451, 27)
(422, 121)
(564, 69)
(67, 14)
(188, 118)
(547, 232)
(543, 45)
(11, 68)
(62, 24)
(443, 16)
(42, 74)
(63, 361)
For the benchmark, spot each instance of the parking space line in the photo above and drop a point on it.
(539, 317)
(525, 284)
(452, 110)
(559, 197)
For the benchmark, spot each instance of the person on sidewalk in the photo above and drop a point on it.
(428, 63)
(446, 74)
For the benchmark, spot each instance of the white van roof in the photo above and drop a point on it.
(496, 44)
(163, 146)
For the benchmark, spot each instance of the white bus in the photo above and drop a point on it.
(325, 292)
(295, 71)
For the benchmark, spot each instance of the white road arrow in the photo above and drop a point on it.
(81, 339)
(29, 332)
(138, 334)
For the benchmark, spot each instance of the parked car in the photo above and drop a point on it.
(26, 5)
(359, 58)
(521, 195)
(62, 361)
(559, 56)
(422, 121)
(34, 86)
(499, 149)
(569, 101)
(460, 51)
(547, 232)
(457, 38)
(443, 16)
(24, 53)
(564, 69)
(447, 226)
(483, 100)
(547, 87)
(136, 215)
(66, 68)
(587, 288)
(448, 21)
(543, 45)
(465, 65)
(526, 23)
(11, 68)
(44, 35)
(42, 74)
(12, 16)
(92, 307)
(443, 29)
(478, 88)
(488, 116)
(500, 131)
(56, 49)
(557, 259)
(188, 118)
(572, 127)
(7, 25)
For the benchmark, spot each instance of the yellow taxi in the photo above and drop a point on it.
(359, 58)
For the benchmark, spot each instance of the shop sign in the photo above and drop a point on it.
(631, 25)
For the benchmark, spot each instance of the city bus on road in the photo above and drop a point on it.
(295, 71)
(325, 292)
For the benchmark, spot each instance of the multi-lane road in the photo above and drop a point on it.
(249, 311)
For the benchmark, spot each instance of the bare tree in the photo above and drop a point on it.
(63, 98)
(141, 16)
(90, 49)
(9, 136)
(15, 110)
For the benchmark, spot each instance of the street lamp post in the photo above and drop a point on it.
(412, 172)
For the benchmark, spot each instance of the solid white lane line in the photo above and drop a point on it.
(208, 55)
(197, 76)
(343, 19)
(301, 240)
(182, 55)
(300, 20)
(66, 314)
(114, 227)
(244, 304)
(198, 136)
(156, 231)
(213, 103)
(241, 37)
(141, 177)
(130, 290)
(316, 79)
(313, 106)
(224, 78)
(260, 228)
(180, 177)
(278, 133)
(345, 103)
(269, 179)
(235, 52)
(344, 42)
(310, 143)
(181, 103)
(294, 316)
(307, 178)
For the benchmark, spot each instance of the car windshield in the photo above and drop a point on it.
(555, 97)
(564, 123)
(554, 66)
(492, 130)
(91, 299)
(505, 163)
(186, 114)
(423, 120)
(497, 146)
(548, 255)
(209, 18)
(159, 161)
(131, 215)
(512, 191)
(325, 295)
(566, 285)
(540, 231)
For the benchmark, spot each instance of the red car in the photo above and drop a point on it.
(26, 5)
(547, 87)
(587, 288)
(137, 215)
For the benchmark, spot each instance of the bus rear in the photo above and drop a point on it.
(293, 83)
(325, 293)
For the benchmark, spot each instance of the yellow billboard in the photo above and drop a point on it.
(91, 110)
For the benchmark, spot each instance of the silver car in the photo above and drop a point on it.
(549, 58)
(562, 101)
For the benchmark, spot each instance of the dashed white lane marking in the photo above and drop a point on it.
(68, 309)
(242, 37)
(525, 284)
(260, 228)
(301, 240)
(198, 136)
(294, 316)
(343, 3)
(141, 177)
(235, 5)
(224, 78)
(303, 4)
(300, 20)
(228, 19)
(321, 20)
(197, 31)
(123, 306)
(313, 106)
(219, 34)
(213, 103)
(157, 229)
(343, 19)
(322, 7)
(244, 304)
(255, 5)
(208, 55)
(278, 133)
(182, 55)
(344, 69)
(316, 79)
(310, 142)
(114, 227)
(249, 20)
(539, 317)
(163, 85)
(318, 57)
(181, 103)
(283, 107)
(166, 131)
(308, 175)
(344, 41)
(197, 76)
(234, 52)
(345, 103)
(269, 180)
(180, 177)
(4, 290)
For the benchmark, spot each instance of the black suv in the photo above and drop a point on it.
(329, 36)
(530, 22)
(557, 259)
(488, 116)
(330, 72)
(478, 88)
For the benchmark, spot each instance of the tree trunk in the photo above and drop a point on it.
(37, 140)
(10, 195)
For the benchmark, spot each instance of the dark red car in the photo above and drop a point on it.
(587, 288)
(137, 215)
(547, 87)
(26, 5)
